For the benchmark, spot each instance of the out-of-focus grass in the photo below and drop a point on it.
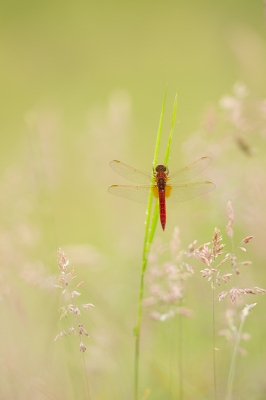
(82, 84)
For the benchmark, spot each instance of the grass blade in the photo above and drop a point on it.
(150, 227)
(149, 233)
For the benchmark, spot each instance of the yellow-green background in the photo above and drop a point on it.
(81, 84)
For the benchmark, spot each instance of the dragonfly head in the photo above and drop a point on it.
(161, 168)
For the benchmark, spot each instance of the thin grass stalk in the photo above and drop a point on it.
(232, 369)
(168, 148)
(235, 311)
(180, 350)
(213, 338)
(150, 227)
(166, 162)
(86, 377)
(149, 233)
(230, 213)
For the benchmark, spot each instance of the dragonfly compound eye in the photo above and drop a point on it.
(160, 168)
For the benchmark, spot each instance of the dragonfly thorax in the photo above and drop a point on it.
(161, 182)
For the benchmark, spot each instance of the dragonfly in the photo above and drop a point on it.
(164, 185)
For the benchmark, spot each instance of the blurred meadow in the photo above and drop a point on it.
(82, 83)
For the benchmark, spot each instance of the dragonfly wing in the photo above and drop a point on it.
(178, 193)
(132, 174)
(189, 172)
(136, 193)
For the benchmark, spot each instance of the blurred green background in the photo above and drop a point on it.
(81, 84)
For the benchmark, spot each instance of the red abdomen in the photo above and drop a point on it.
(162, 208)
(161, 184)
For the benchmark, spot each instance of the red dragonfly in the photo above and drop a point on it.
(163, 184)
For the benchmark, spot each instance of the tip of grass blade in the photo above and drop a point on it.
(159, 132)
(168, 148)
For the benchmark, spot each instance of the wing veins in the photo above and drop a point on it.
(192, 170)
(183, 192)
(130, 173)
(134, 193)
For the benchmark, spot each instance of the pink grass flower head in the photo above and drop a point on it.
(166, 281)
(69, 310)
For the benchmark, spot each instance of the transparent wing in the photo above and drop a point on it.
(131, 174)
(135, 193)
(189, 172)
(178, 193)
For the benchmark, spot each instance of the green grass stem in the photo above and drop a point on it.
(214, 339)
(232, 370)
(150, 227)
(168, 148)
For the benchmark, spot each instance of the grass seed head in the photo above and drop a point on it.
(247, 239)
